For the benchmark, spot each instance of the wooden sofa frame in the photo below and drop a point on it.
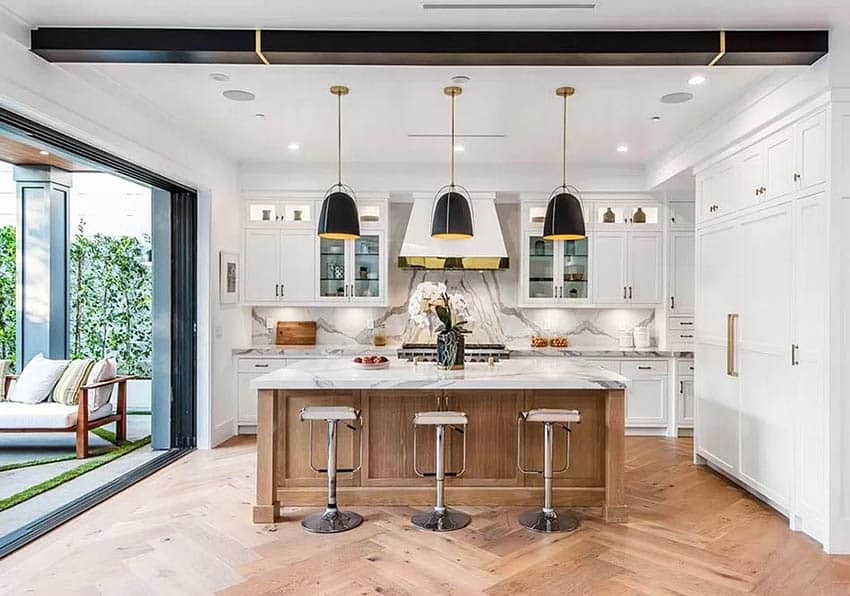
(84, 425)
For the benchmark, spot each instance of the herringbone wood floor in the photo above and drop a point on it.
(187, 531)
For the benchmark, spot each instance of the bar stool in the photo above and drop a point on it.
(441, 519)
(547, 519)
(332, 520)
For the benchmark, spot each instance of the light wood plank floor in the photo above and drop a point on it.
(187, 531)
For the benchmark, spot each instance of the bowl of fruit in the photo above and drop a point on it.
(370, 362)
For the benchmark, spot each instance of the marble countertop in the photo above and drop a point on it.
(517, 351)
(522, 373)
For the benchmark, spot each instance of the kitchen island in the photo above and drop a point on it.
(491, 396)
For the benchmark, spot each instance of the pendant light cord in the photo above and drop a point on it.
(453, 143)
(339, 139)
(564, 173)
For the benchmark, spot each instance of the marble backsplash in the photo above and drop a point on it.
(492, 298)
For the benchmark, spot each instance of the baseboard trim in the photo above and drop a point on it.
(637, 431)
(222, 432)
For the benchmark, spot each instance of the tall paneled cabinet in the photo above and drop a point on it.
(760, 306)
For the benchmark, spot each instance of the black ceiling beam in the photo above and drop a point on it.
(449, 48)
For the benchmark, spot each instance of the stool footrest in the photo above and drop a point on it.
(338, 470)
(446, 474)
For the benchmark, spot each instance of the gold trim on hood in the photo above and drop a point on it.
(454, 263)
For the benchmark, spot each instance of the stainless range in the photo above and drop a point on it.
(472, 352)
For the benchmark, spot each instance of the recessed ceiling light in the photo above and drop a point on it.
(622, 148)
(655, 118)
(460, 79)
(239, 95)
(696, 79)
(43, 152)
(680, 97)
(219, 76)
(459, 148)
(293, 146)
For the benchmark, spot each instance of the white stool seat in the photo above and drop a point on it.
(329, 413)
(552, 415)
(442, 417)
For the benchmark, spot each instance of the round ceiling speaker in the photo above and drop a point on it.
(680, 97)
(239, 95)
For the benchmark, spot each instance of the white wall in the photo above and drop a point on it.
(98, 112)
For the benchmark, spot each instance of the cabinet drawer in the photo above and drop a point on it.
(683, 324)
(644, 368)
(685, 368)
(260, 365)
(609, 365)
(678, 338)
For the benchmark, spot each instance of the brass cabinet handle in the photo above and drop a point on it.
(731, 320)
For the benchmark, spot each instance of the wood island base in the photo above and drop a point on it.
(386, 478)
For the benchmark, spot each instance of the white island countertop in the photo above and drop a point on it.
(524, 373)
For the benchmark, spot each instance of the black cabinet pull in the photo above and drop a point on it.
(682, 387)
(624, 292)
(685, 336)
(276, 293)
(261, 366)
(630, 292)
(644, 368)
(672, 303)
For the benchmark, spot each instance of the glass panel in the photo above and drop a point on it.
(367, 267)
(541, 264)
(262, 212)
(331, 267)
(297, 213)
(575, 269)
(610, 215)
(643, 215)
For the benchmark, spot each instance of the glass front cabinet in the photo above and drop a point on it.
(353, 271)
(551, 271)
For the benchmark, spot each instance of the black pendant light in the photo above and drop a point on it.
(338, 219)
(564, 215)
(452, 213)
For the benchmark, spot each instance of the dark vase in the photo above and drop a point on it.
(450, 347)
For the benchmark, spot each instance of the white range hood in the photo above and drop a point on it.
(484, 251)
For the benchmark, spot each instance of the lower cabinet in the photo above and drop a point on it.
(249, 369)
(647, 393)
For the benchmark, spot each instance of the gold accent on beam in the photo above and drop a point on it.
(258, 46)
(722, 51)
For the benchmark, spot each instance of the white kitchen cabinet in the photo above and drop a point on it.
(779, 164)
(646, 397)
(684, 389)
(750, 186)
(260, 278)
(682, 215)
(681, 282)
(352, 271)
(811, 152)
(627, 267)
(279, 266)
(714, 188)
(249, 369)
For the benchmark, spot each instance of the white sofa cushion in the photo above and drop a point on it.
(103, 370)
(49, 414)
(37, 380)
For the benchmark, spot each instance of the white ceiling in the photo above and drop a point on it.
(612, 106)
(626, 14)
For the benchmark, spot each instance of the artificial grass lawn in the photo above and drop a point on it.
(99, 457)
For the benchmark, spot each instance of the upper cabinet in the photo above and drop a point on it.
(626, 215)
(285, 262)
(789, 162)
(627, 267)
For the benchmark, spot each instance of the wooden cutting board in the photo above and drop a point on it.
(295, 333)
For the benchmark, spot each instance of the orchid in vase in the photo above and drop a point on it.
(451, 312)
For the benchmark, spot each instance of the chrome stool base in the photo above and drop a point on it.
(538, 520)
(331, 521)
(440, 521)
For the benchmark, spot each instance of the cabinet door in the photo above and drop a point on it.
(539, 270)
(716, 408)
(682, 215)
(246, 399)
(682, 273)
(645, 280)
(718, 279)
(713, 188)
(367, 269)
(298, 267)
(810, 332)
(609, 267)
(490, 436)
(262, 266)
(779, 170)
(685, 405)
(333, 270)
(574, 266)
(811, 152)
(750, 176)
(646, 402)
(389, 437)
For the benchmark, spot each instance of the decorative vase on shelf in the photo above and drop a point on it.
(639, 216)
(608, 216)
(450, 348)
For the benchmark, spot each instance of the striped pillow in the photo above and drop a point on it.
(4, 370)
(68, 388)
